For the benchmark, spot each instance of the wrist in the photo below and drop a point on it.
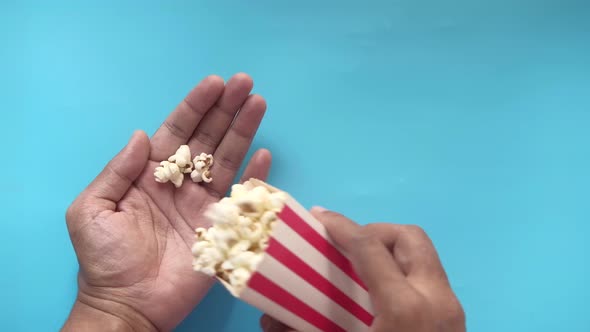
(92, 314)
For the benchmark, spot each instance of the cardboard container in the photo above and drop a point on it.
(304, 280)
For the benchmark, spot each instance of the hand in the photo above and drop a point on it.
(407, 284)
(133, 236)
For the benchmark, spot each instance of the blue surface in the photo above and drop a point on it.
(471, 119)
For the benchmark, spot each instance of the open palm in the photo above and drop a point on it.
(133, 235)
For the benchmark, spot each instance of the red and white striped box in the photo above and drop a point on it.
(304, 280)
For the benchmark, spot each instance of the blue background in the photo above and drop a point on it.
(469, 118)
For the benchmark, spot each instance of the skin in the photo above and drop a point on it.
(133, 236)
(409, 289)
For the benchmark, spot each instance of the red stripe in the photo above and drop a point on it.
(314, 238)
(299, 267)
(275, 293)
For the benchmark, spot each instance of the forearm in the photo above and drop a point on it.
(97, 315)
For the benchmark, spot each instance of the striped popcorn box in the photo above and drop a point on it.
(304, 280)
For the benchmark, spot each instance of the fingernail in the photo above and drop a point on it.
(318, 209)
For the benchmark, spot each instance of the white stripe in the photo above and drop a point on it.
(298, 287)
(307, 217)
(276, 311)
(317, 261)
(304, 214)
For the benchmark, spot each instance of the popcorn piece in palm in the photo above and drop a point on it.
(168, 171)
(182, 158)
(202, 164)
(175, 167)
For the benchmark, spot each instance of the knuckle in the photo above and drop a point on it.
(71, 212)
(414, 308)
(332, 217)
(384, 323)
(456, 314)
(332, 214)
(191, 107)
(372, 229)
(230, 163)
(416, 231)
(175, 129)
(206, 138)
(366, 234)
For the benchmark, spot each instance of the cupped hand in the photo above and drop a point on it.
(407, 284)
(133, 236)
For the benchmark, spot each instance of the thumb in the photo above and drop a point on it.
(118, 175)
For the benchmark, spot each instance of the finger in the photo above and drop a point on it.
(269, 324)
(178, 128)
(414, 252)
(235, 144)
(370, 258)
(412, 249)
(215, 123)
(118, 175)
(259, 166)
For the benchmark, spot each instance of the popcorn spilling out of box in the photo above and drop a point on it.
(270, 252)
(242, 223)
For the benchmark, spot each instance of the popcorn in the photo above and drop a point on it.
(202, 163)
(239, 247)
(268, 217)
(275, 255)
(182, 158)
(242, 223)
(180, 163)
(263, 243)
(242, 259)
(253, 232)
(239, 277)
(253, 204)
(238, 190)
(168, 171)
(223, 213)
